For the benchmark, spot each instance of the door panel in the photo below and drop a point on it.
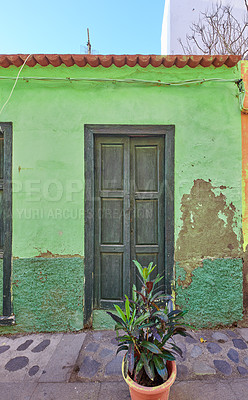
(111, 221)
(129, 213)
(111, 276)
(112, 155)
(146, 222)
(147, 203)
(112, 215)
(146, 168)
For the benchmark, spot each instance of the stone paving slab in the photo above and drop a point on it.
(244, 333)
(114, 391)
(61, 364)
(23, 358)
(200, 390)
(17, 391)
(66, 391)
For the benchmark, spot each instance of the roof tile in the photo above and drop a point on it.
(119, 61)
(106, 61)
(194, 61)
(207, 61)
(41, 60)
(219, 61)
(67, 60)
(169, 61)
(181, 61)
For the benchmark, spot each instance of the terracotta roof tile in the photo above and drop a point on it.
(106, 61)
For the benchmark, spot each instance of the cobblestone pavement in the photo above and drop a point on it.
(208, 354)
(84, 366)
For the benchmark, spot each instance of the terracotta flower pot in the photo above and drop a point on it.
(160, 392)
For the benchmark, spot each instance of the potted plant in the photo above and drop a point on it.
(149, 324)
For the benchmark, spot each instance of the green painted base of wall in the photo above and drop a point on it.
(101, 320)
(214, 296)
(47, 295)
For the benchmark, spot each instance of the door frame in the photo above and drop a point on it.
(90, 131)
(6, 130)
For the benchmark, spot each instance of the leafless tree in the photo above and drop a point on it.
(218, 31)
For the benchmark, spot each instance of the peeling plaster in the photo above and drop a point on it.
(49, 254)
(207, 229)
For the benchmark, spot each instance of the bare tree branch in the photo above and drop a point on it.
(218, 31)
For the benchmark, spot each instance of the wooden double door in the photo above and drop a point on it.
(129, 213)
(129, 209)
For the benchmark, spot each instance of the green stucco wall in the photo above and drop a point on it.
(217, 300)
(48, 187)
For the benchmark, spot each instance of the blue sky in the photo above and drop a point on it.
(116, 27)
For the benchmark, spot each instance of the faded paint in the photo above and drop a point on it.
(48, 194)
(207, 229)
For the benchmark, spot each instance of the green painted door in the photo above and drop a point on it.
(129, 212)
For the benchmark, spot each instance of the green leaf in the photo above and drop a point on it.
(120, 312)
(158, 279)
(139, 366)
(150, 268)
(132, 318)
(177, 349)
(147, 366)
(134, 295)
(156, 295)
(150, 265)
(152, 367)
(116, 318)
(167, 355)
(161, 315)
(141, 319)
(125, 365)
(166, 337)
(127, 307)
(121, 348)
(145, 273)
(124, 338)
(147, 325)
(160, 367)
(181, 331)
(119, 326)
(176, 313)
(139, 266)
(150, 346)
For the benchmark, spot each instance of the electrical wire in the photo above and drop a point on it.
(238, 82)
(113, 80)
(16, 79)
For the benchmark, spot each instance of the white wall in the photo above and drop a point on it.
(178, 16)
